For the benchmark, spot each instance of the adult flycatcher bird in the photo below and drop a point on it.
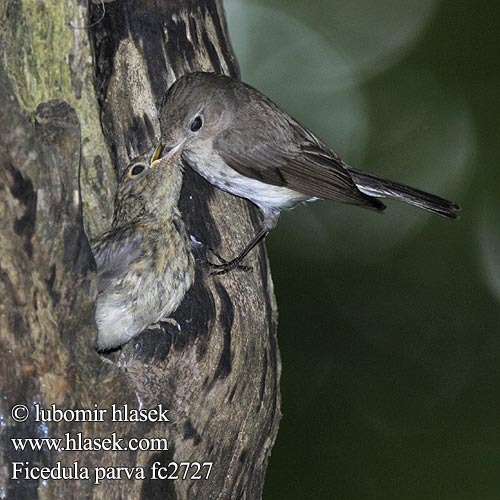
(243, 143)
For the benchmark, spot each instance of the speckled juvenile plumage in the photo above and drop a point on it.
(144, 263)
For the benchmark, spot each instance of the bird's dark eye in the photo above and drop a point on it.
(196, 124)
(137, 169)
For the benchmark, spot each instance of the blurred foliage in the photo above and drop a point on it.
(388, 323)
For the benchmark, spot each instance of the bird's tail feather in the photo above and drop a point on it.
(382, 188)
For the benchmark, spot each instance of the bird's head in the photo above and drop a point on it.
(195, 109)
(149, 186)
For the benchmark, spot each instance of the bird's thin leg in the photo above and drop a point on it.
(227, 266)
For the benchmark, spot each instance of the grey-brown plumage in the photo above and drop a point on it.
(243, 143)
(144, 263)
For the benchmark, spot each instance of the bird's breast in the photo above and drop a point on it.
(211, 166)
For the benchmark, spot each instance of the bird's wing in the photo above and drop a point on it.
(114, 252)
(288, 155)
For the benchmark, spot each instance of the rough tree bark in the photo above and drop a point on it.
(219, 374)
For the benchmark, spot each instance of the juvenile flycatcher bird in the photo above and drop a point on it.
(243, 143)
(144, 263)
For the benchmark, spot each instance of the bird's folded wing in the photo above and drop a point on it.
(294, 159)
(114, 252)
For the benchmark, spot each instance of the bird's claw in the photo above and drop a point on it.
(225, 266)
(171, 321)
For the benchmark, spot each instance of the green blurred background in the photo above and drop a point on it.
(389, 324)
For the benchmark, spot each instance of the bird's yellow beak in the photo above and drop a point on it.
(172, 154)
(156, 154)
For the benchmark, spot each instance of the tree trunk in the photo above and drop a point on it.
(218, 375)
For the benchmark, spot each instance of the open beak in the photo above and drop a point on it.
(163, 154)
